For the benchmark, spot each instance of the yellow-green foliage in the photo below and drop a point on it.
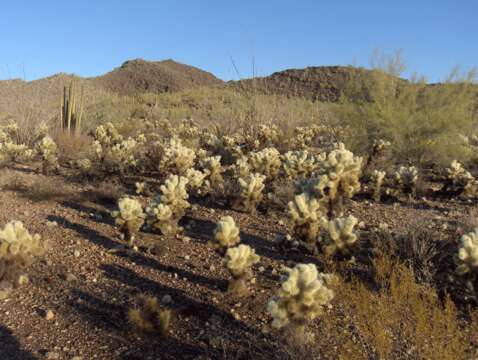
(341, 235)
(468, 253)
(18, 248)
(250, 193)
(301, 298)
(130, 217)
(239, 261)
(149, 315)
(226, 233)
(423, 122)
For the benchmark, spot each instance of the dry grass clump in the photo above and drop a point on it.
(399, 319)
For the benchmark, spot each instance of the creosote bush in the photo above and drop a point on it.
(129, 218)
(302, 296)
(239, 261)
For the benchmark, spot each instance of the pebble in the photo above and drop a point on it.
(70, 277)
(262, 269)
(187, 257)
(212, 268)
(76, 253)
(52, 355)
(51, 224)
(167, 299)
(49, 315)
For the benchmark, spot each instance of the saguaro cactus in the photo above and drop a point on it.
(71, 109)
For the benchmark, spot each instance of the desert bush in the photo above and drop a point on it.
(226, 233)
(302, 297)
(149, 315)
(18, 249)
(129, 218)
(398, 319)
(422, 121)
(239, 261)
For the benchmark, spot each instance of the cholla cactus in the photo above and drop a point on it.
(341, 235)
(305, 213)
(197, 181)
(460, 180)
(302, 296)
(297, 164)
(140, 188)
(226, 233)
(242, 169)
(239, 261)
(121, 156)
(304, 136)
(107, 135)
(468, 253)
(406, 179)
(176, 158)
(266, 162)
(149, 315)
(343, 170)
(213, 169)
(377, 178)
(48, 151)
(250, 193)
(161, 217)
(129, 218)
(175, 195)
(18, 248)
(379, 146)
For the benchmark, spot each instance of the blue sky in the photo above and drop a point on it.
(88, 38)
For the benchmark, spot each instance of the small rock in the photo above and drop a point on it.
(186, 239)
(167, 299)
(262, 269)
(76, 253)
(70, 277)
(49, 315)
(52, 355)
(187, 257)
(51, 224)
(212, 268)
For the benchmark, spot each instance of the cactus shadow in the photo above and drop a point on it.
(183, 304)
(85, 232)
(106, 218)
(139, 259)
(10, 347)
(201, 229)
